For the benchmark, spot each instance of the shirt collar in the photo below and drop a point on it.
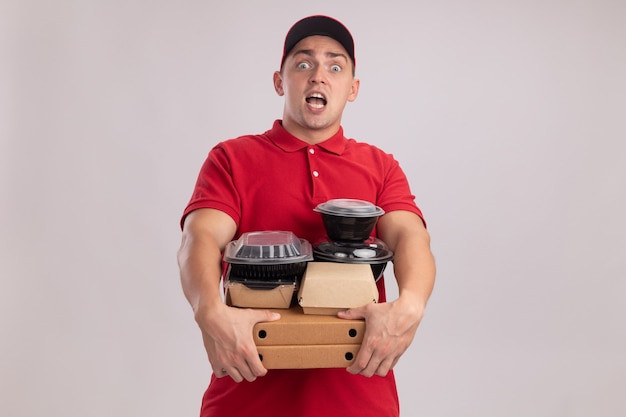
(287, 142)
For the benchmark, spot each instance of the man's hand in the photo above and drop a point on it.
(227, 336)
(389, 330)
(390, 327)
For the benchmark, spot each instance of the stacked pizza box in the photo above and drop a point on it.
(309, 334)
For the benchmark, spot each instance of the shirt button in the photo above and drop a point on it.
(311, 151)
(316, 174)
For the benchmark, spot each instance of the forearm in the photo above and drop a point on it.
(414, 264)
(414, 269)
(199, 260)
(205, 235)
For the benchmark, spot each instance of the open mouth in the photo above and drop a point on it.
(316, 100)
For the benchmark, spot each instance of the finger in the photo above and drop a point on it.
(237, 366)
(251, 372)
(249, 364)
(362, 359)
(386, 366)
(395, 362)
(377, 359)
(233, 373)
(370, 369)
(256, 367)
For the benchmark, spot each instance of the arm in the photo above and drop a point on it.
(226, 331)
(391, 326)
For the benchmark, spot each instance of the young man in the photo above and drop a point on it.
(273, 181)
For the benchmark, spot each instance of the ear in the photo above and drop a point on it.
(354, 89)
(278, 83)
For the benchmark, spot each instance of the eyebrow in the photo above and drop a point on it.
(309, 52)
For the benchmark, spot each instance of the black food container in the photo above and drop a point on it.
(372, 251)
(266, 259)
(349, 220)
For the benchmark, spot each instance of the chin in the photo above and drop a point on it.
(318, 122)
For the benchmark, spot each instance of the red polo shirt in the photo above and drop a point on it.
(273, 181)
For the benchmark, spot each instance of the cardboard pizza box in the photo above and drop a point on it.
(296, 328)
(308, 356)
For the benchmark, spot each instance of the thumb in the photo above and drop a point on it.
(352, 314)
(265, 315)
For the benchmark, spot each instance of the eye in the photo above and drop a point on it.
(303, 65)
(335, 68)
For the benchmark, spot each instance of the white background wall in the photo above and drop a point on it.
(509, 118)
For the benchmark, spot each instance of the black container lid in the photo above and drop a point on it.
(349, 208)
(371, 251)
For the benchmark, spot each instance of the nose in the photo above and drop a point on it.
(318, 76)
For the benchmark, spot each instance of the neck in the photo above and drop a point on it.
(310, 136)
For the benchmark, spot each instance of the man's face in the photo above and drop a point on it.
(317, 81)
